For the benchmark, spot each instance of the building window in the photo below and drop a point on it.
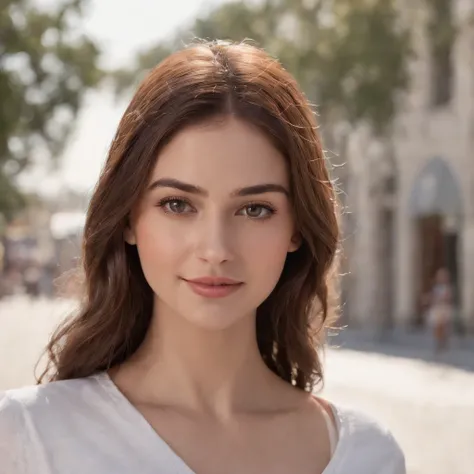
(442, 35)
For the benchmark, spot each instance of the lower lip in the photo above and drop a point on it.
(213, 291)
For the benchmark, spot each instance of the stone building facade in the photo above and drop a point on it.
(410, 197)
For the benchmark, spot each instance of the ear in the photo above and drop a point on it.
(295, 242)
(129, 235)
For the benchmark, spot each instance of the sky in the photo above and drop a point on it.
(122, 27)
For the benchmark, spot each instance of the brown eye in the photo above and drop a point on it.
(254, 211)
(175, 206)
(258, 211)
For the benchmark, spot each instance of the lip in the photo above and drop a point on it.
(213, 287)
(209, 280)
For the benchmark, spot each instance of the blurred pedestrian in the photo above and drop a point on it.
(441, 309)
(31, 280)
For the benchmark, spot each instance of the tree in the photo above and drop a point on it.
(348, 55)
(46, 65)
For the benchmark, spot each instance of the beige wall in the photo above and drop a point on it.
(421, 133)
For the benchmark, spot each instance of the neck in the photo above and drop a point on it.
(182, 365)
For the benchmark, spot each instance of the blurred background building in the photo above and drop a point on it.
(39, 245)
(410, 195)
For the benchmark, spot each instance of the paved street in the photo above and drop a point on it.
(429, 405)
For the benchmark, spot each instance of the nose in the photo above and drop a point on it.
(214, 240)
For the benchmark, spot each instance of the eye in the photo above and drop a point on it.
(175, 206)
(258, 211)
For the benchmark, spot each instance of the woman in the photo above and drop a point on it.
(208, 251)
(441, 308)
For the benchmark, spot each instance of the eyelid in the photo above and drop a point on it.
(173, 198)
(163, 201)
(264, 204)
(259, 203)
(267, 206)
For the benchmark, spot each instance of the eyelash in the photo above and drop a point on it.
(271, 210)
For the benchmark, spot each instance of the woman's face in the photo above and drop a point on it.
(215, 225)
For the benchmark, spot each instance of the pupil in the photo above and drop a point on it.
(177, 206)
(253, 210)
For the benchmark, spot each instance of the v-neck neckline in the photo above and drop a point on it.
(157, 447)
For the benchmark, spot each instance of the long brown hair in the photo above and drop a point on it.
(199, 83)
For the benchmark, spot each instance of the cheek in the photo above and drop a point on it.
(159, 250)
(266, 255)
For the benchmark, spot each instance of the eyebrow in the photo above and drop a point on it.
(193, 189)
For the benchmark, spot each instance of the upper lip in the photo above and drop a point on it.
(209, 280)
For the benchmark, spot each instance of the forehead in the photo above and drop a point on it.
(221, 155)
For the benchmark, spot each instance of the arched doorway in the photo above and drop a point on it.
(436, 206)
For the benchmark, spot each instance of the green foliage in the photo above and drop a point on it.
(348, 55)
(46, 65)
(368, 52)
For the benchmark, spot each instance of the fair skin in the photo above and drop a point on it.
(198, 378)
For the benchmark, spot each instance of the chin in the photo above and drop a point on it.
(215, 316)
(213, 321)
(209, 315)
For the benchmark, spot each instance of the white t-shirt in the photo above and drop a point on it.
(87, 426)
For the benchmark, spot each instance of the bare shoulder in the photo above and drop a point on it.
(363, 443)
